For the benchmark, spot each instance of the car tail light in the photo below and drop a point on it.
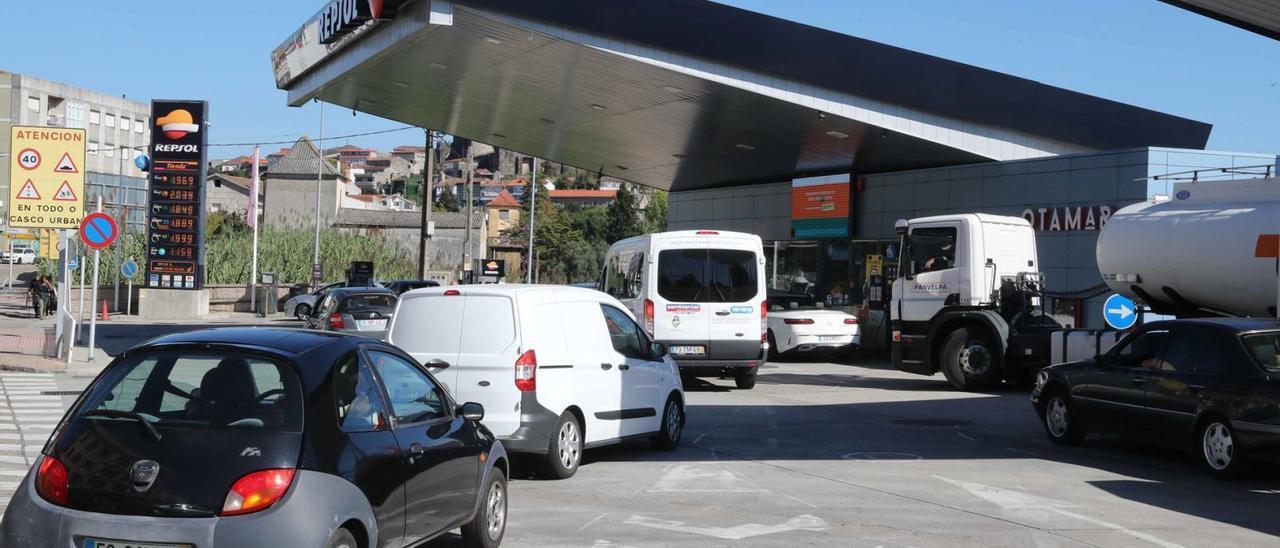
(708, 233)
(52, 480)
(764, 321)
(897, 336)
(452, 293)
(851, 321)
(797, 321)
(335, 321)
(527, 372)
(648, 316)
(257, 491)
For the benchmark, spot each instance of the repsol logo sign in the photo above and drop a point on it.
(168, 147)
(340, 17)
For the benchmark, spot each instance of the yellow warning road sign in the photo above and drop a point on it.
(46, 194)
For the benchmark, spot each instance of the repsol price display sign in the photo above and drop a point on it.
(175, 228)
(46, 177)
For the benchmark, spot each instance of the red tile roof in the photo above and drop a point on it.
(569, 194)
(504, 199)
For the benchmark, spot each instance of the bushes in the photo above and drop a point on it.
(288, 253)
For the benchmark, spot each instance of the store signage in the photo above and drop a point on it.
(820, 207)
(332, 28)
(1068, 219)
(175, 233)
(46, 182)
(495, 268)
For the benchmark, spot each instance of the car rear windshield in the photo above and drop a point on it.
(358, 303)
(707, 276)
(1265, 349)
(208, 390)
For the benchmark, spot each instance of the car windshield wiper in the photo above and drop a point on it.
(116, 414)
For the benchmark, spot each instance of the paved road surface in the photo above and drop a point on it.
(837, 455)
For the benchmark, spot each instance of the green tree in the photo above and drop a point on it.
(655, 215)
(447, 202)
(623, 217)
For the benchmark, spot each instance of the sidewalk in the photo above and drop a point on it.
(28, 345)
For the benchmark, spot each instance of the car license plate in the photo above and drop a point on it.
(830, 338)
(688, 350)
(371, 325)
(100, 543)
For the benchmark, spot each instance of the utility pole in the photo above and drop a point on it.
(123, 223)
(467, 246)
(428, 192)
(533, 206)
(315, 261)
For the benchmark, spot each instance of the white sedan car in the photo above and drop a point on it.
(20, 255)
(799, 325)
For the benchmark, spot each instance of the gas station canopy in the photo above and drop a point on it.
(686, 94)
(1259, 16)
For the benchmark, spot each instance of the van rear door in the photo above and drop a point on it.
(680, 314)
(487, 357)
(734, 299)
(428, 326)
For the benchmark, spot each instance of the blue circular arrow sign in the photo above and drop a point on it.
(129, 269)
(1120, 312)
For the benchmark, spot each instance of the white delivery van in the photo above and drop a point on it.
(558, 369)
(699, 292)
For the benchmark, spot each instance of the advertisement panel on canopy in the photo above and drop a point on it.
(820, 207)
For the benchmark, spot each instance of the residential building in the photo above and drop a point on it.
(290, 188)
(228, 193)
(117, 130)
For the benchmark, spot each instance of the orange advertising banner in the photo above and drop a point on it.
(823, 201)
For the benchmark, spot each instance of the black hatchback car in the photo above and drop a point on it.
(1208, 386)
(253, 437)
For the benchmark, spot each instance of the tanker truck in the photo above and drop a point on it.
(968, 300)
(1208, 250)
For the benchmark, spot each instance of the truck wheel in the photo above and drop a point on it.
(774, 355)
(970, 360)
(745, 378)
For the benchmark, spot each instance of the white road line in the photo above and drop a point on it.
(592, 522)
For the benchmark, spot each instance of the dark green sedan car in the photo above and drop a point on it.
(1210, 386)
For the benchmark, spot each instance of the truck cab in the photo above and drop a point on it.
(966, 300)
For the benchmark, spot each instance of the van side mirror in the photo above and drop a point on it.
(471, 411)
(657, 350)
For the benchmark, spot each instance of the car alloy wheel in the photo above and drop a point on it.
(1218, 446)
(1055, 417)
(675, 418)
(497, 506)
(569, 445)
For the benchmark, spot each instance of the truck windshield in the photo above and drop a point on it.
(931, 250)
(707, 276)
(1264, 348)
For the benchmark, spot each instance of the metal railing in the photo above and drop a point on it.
(1262, 171)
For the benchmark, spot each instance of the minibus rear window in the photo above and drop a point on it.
(707, 276)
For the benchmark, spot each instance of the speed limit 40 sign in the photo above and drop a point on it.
(29, 159)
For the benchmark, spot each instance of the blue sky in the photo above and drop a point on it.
(1141, 52)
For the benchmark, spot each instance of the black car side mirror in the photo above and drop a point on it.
(471, 411)
(657, 350)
